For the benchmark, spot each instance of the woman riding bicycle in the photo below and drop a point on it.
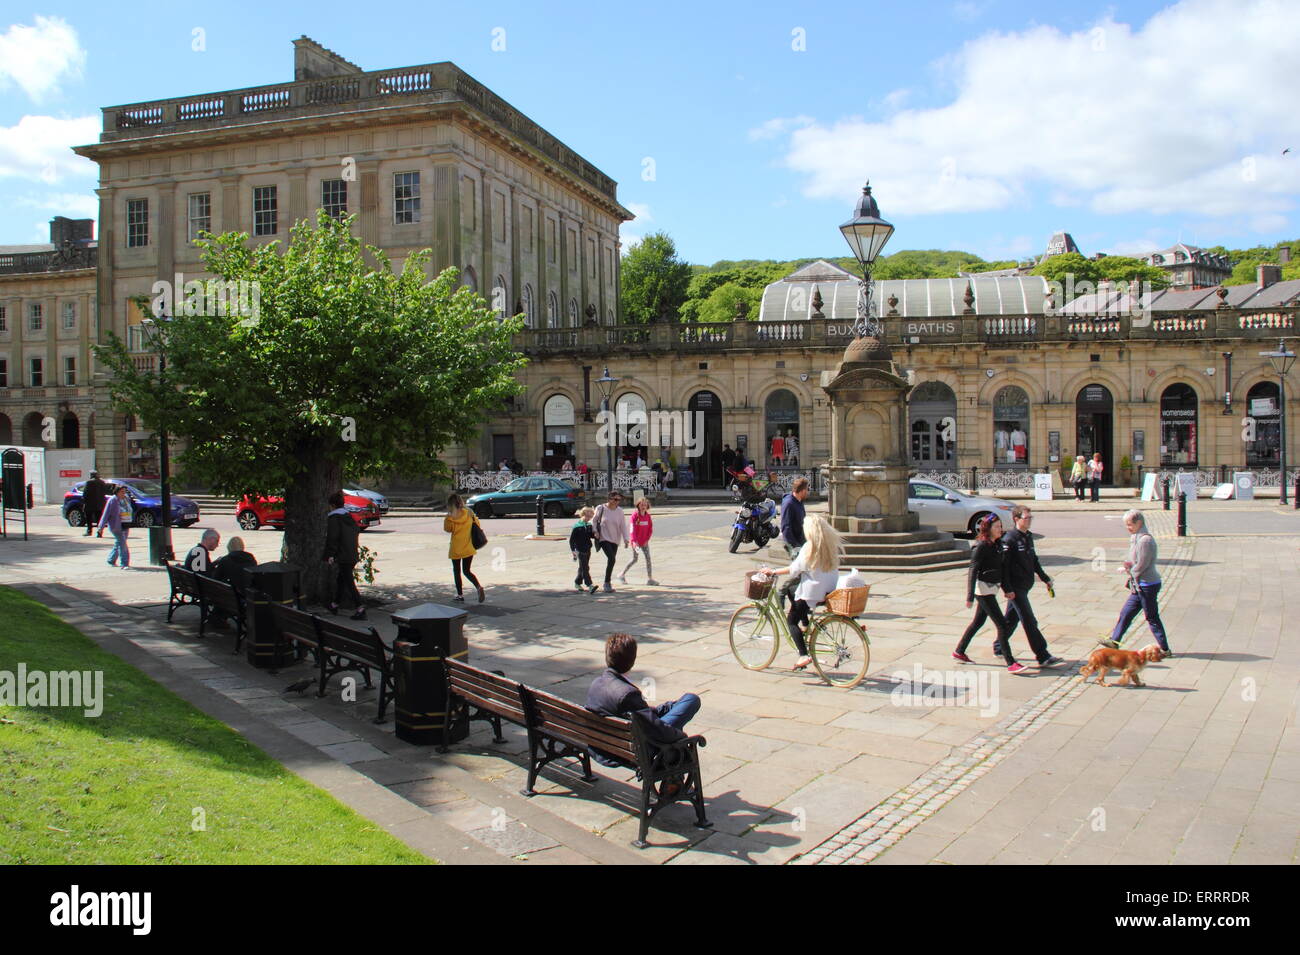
(818, 562)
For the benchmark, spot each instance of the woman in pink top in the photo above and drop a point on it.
(642, 527)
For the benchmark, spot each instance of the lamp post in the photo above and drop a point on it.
(1282, 361)
(866, 234)
(606, 385)
(153, 331)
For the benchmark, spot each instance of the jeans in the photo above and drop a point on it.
(636, 551)
(986, 608)
(1018, 610)
(1096, 490)
(610, 550)
(1146, 600)
(584, 569)
(681, 711)
(119, 548)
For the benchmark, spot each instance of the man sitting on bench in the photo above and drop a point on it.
(613, 694)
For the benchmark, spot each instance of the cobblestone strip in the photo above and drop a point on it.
(883, 826)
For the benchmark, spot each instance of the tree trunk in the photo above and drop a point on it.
(306, 502)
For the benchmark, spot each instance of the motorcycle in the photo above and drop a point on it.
(755, 523)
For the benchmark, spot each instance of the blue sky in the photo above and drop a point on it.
(745, 130)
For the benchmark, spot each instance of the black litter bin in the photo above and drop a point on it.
(426, 635)
(263, 585)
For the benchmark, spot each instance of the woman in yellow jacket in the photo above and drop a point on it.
(457, 523)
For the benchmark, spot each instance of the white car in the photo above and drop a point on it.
(956, 512)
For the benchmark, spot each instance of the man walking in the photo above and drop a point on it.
(93, 497)
(1020, 566)
(728, 461)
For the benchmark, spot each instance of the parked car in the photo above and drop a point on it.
(947, 509)
(253, 512)
(561, 498)
(146, 503)
(380, 501)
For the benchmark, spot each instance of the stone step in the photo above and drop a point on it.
(854, 549)
(905, 560)
(905, 537)
(917, 568)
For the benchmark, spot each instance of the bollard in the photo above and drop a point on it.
(1295, 500)
(541, 520)
(1164, 491)
(1182, 514)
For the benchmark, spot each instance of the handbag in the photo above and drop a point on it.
(477, 539)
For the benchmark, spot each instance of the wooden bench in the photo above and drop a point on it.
(185, 590)
(558, 729)
(221, 599)
(299, 628)
(342, 648)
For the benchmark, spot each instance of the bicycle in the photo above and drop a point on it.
(837, 643)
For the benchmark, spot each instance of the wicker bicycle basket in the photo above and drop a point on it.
(756, 591)
(849, 601)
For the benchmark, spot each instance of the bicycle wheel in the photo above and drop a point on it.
(753, 637)
(840, 650)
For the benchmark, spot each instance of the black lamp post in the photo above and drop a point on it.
(153, 331)
(866, 234)
(1282, 361)
(606, 385)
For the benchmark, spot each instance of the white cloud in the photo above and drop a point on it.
(36, 58)
(39, 148)
(779, 126)
(74, 205)
(1135, 247)
(1172, 116)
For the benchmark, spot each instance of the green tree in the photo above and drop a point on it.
(721, 304)
(1120, 268)
(653, 279)
(345, 368)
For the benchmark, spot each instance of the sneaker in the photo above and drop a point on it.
(622, 579)
(609, 589)
(1017, 668)
(1109, 644)
(482, 595)
(958, 655)
(1051, 662)
(650, 582)
(459, 598)
(579, 588)
(1169, 654)
(592, 589)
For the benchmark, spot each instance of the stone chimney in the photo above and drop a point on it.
(311, 61)
(76, 231)
(1266, 274)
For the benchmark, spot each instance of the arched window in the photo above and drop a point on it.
(500, 296)
(609, 316)
(573, 313)
(1262, 406)
(70, 431)
(6, 430)
(1094, 426)
(32, 430)
(558, 441)
(1011, 428)
(553, 311)
(469, 278)
(932, 413)
(633, 425)
(530, 319)
(1179, 411)
(781, 428)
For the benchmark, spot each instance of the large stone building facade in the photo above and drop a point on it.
(1004, 381)
(425, 156)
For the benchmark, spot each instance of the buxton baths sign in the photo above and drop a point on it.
(911, 330)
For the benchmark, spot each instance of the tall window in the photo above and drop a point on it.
(498, 216)
(573, 250)
(557, 432)
(4, 372)
(69, 370)
(573, 313)
(499, 301)
(4, 319)
(1178, 420)
(137, 223)
(35, 317)
(551, 240)
(264, 210)
(932, 413)
(1011, 427)
(1262, 405)
(200, 213)
(36, 372)
(69, 315)
(406, 197)
(529, 319)
(528, 228)
(781, 428)
(553, 312)
(591, 258)
(334, 197)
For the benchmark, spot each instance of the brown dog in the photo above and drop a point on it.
(1101, 661)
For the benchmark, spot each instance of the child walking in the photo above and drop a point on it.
(581, 539)
(642, 528)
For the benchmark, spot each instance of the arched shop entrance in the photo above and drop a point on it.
(557, 433)
(1011, 428)
(1179, 413)
(781, 439)
(932, 423)
(633, 425)
(1095, 427)
(706, 411)
(1262, 406)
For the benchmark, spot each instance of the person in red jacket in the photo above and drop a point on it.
(642, 528)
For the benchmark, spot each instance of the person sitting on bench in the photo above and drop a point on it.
(613, 694)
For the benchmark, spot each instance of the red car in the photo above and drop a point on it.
(251, 513)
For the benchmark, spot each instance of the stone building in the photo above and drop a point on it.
(424, 155)
(1190, 267)
(1003, 380)
(47, 323)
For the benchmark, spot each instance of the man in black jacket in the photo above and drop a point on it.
(93, 497)
(613, 694)
(1020, 566)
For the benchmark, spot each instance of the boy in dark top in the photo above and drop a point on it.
(1020, 567)
(580, 541)
(613, 694)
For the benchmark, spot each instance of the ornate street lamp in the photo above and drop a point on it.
(606, 385)
(1282, 361)
(866, 234)
(154, 333)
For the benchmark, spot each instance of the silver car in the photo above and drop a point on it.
(956, 512)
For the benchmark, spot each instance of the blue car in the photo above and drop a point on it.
(146, 504)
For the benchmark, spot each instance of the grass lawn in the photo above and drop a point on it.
(124, 787)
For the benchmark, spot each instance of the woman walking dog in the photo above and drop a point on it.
(982, 585)
(1143, 584)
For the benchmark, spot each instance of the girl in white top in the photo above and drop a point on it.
(818, 562)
